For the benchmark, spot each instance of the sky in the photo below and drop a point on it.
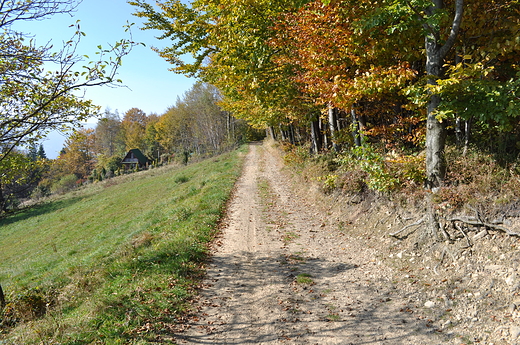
(150, 86)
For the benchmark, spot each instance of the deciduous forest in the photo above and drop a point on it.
(401, 89)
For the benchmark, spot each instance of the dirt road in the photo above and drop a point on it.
(282, 275)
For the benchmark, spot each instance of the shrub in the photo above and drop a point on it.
(181, 179)
(65, 184)
(379, 176)
(295, 155)
(40, 191)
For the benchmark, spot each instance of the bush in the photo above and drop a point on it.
(65, 184)
(379, 176)
(41, 191)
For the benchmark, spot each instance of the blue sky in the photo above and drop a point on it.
(150, 86)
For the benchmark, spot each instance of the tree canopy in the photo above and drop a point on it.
(406, 70)
(40, 88)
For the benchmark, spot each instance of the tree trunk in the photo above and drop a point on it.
(283, 135)
(315, 137)
(3, 203)
(435, 143)
(271, 133)
(458, 131)
(323, 133)
(299, 134)
(2, 299)
(332, 128)
(355, 127)
(467, 133)
(292, 140)
(435, 130)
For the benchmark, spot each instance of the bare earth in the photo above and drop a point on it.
(282, 274)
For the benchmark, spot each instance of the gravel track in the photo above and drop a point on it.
(282, 273)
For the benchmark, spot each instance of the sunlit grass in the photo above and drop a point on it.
(117, 256)
(304, 279)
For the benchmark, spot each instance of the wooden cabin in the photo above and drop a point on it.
(135, 158)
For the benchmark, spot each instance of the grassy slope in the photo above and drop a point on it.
(116, 261)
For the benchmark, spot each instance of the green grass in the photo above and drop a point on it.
(304, 279)
(116, 262)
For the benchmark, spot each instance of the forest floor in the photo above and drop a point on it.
(294, 266)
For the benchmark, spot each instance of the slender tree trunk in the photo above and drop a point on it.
(355, 127)
(315, 137)
(339, 124)
(271, 133)
(291, 134)
(299, 134)
(467, 134)
(435, 131)
(2, 299)
(332, 128)
(458, 131)
(323, 133)
(283, 134)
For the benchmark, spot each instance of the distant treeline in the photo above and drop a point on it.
(195, 127)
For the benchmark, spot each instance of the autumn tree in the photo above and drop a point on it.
(470, 60)
(151, 138)
(228, 42)
(440, 38)
(197, 124)
(78, 154)
(211, 122)
(340, 64)
(480, 85)
(133, 128)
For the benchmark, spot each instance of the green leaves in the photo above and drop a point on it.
(226, 43)
(34, 101)
(471, 90)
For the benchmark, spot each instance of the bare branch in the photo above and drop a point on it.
(13, 11)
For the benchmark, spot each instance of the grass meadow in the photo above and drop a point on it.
(116, 262)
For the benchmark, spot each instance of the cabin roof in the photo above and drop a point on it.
(137, 154)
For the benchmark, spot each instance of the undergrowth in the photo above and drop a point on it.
(116, 263)
(472, 179)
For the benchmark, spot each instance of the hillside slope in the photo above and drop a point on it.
(101, 263)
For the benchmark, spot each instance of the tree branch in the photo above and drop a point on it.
(455, 27)
(422, 19)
